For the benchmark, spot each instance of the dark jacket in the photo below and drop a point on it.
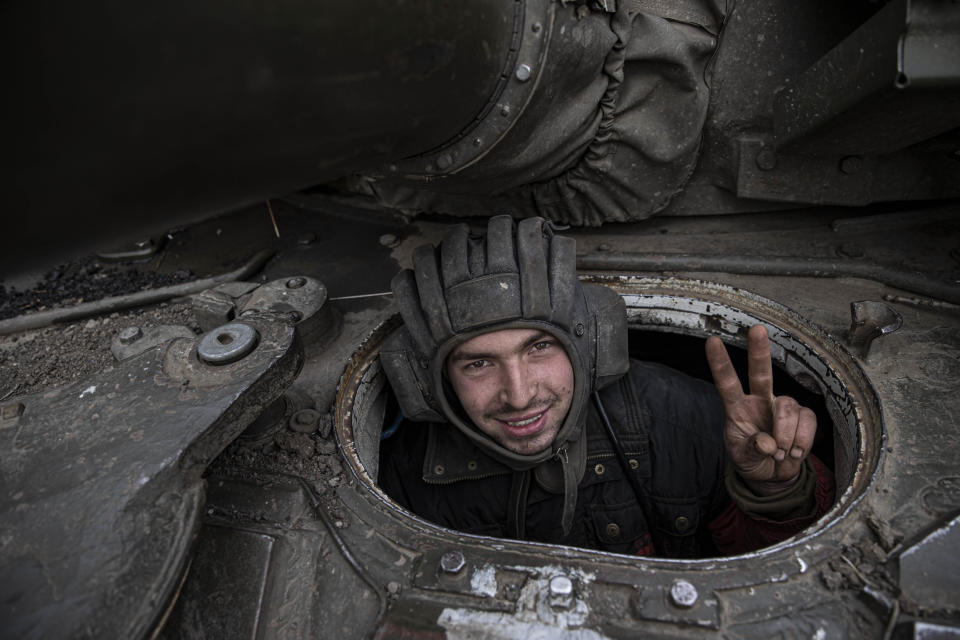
(671, 429)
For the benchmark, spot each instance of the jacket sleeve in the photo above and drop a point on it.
(751, 522)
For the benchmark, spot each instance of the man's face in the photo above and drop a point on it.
(516, 385)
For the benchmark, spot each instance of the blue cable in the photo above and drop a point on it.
(393, 427)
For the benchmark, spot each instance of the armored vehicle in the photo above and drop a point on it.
(191, 418)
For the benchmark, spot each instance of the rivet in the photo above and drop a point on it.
(505, 110)
(472, 465)
(634, 464)
(439, 470)
(296, 283)
(851, 165)
(130, 335)
(681, 523)
(599, 469)
(683, 594)
(613, 530)
(452, 562)
(578, 330)
(477, 142)
(444, 162)
(306, 238)
(523, 72)
(536, 27)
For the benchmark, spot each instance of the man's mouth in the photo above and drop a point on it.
(526, 425)
(525, 422)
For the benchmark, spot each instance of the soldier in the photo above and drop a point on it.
(525, 418)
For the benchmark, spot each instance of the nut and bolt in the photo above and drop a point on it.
(130, 335)
(561, 592)
(683, 594)
(304, 421)
(523, 72)
(452, 562)
(227, 344)
(766, 160)
(296, 283)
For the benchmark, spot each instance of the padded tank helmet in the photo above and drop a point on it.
(519, 276)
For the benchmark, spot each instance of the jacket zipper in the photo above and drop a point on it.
(480, 476)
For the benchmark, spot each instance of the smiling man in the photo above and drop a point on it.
(523, 416)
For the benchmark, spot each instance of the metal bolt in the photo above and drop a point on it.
(227, 344)
(477, 142)
(388, 240)
(851, 165)
(535, 27)
(561, 592)
(452, 562)
(304, 421)
(505, 110)
(444, 162)
(766, 160)
(523, 72)
(561, 586)
(130, 335)
(296, 283)
(579, 330)
(683, 594)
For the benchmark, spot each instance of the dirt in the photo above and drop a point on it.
(85, 280)
(34, 361)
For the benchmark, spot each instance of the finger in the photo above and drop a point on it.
(724, 375)
(806, 431)
(760, 368)
(786, 421)
(764, 444)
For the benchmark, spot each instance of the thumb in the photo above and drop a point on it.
(763, 444)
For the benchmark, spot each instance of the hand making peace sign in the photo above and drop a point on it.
(767, 437)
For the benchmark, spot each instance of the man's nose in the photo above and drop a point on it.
(518, 386)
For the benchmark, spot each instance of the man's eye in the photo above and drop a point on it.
(476, 364)
(540, 346)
